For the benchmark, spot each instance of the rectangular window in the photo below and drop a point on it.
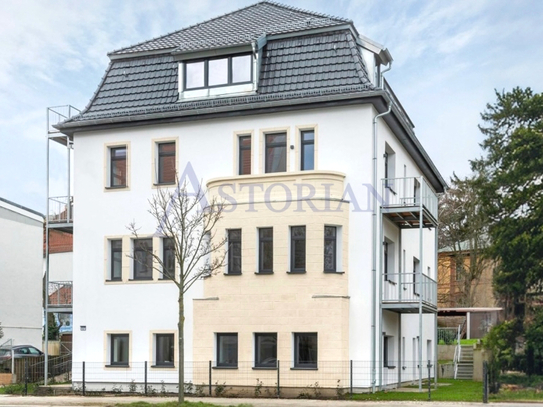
(244, 155)
(222, 71)
(242, 69)
(385, 260)
(308, 150)
(297, 246)
(234, 251)
(227, 350)
(117, 168)
(143, 259)
(416, 265)
(119, 349)
(330, 248)
(276, 152)
(305, 350)
(266, 350)
(166, 163)
(195, 75)
(265, 250)
(116, 247)
(164, 349)
(218, 72)
(168, 259)
(388, 351)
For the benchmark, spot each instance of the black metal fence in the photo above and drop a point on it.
(329, 378)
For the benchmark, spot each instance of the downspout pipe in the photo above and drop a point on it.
(375, 244)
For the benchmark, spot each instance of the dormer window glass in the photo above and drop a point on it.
(222, 71)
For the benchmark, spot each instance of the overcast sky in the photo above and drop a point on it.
(449, 56)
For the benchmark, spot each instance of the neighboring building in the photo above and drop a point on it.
(21, 268)
(274, 107)
(472, 306)
(454, 291)
(60, 278)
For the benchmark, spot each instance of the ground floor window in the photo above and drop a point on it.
(164, 349)
(227, 350)
(119, 347)
(266, 350)
(305, 350)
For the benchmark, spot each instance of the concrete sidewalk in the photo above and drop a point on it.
(76, 401)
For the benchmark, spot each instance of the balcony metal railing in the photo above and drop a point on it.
(61, 209)
(406, 288)
(409, 192)
(60, 293)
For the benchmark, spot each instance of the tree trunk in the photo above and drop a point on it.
(181, 347)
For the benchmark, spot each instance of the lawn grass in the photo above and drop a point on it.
(448, 390)
(174, 404)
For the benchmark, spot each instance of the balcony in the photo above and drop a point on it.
(60, 296)
(404, 292)
(61, 212)
(406, 199)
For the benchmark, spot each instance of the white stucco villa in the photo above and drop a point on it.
(332, 220)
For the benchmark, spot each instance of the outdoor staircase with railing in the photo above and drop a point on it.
(464, 363)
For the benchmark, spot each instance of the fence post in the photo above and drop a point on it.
(83, 378)
(429, 381)
(278, 379)
(26, 377)
(351, 378)
(145, 377)
(210, 377)
(485, 382)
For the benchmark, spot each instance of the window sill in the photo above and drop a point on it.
(297, 272)
(118, 366)
(264, 368)
(390, 367)
(114, 281)
(225, 367)
(141, 279)
(334, 272)
(232, 274)
(163, 366)
(161, 184)
(118, 187)
(304, 368)
(263, 272)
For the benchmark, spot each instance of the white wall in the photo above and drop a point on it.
(21, 268)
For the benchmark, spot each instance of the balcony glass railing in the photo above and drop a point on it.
(406, 288)
(409, 192)
(61, 209)
(60, 293)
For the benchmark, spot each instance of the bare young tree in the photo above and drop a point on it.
(187, 223)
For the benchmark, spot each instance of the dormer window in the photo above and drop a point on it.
(216, 72)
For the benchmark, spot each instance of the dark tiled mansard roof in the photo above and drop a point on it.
(143, 78)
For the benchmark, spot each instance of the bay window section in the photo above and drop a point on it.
(227, 350)
(330, 248)
(265, 250)
(297, 247)
(234, 251)
(266, 350)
